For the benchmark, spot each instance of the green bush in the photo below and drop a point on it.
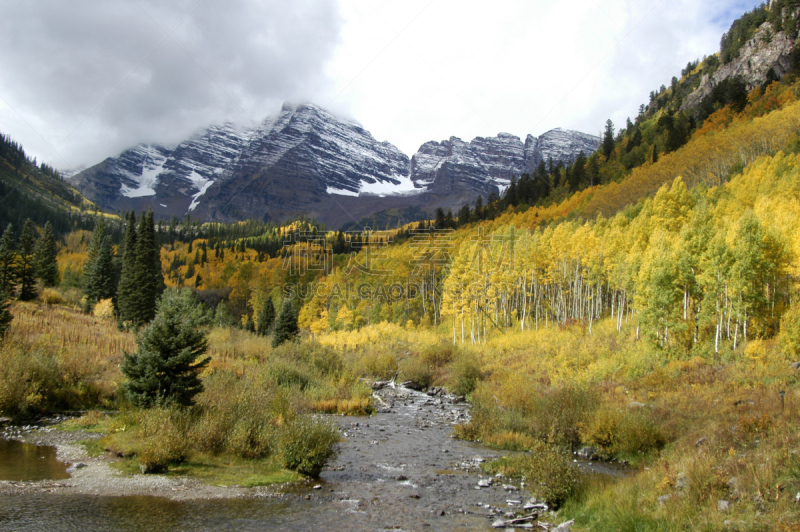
(413, 368)
(307, 444)
(285, 375)
(162, 432)
(549, 472)
(465, 374)
(615, 432)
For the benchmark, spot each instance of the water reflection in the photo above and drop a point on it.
(25, 461)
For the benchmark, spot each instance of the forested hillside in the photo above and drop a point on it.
(37, 191)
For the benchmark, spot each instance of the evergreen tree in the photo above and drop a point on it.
(27, 268)
(608, 139)
(45, 257)
(5, 314)
(102, 278)
(165, 368)
(8, 262)
(127, 292)
(286, 325)
(99, 233)
(144, 273)
(266, 317)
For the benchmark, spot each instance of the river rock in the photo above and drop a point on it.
(588, 452)
(565, 527)
(484, 483)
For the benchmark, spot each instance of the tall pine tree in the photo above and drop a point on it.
(5, 314)
(147, 272)
(266, 317)
(127, 291)
(286, 326)
(103, 278)
(98, 235)
(45, 257)
(8, 262)
(608, 139)
(27, 268)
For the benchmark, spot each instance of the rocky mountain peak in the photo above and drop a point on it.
(307, 160)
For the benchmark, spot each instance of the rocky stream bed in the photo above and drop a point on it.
(399, 469)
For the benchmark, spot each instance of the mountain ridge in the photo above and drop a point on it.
(307, 160)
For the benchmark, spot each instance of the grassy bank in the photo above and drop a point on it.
(253, 423)
(695, 430)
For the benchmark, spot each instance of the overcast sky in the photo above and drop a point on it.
(83, 80)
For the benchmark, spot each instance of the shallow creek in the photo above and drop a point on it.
(397, 470)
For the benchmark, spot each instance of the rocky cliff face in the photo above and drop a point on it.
(765, 50)
(305, 160)
(486, 165)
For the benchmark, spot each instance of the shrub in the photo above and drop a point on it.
(307, 444)
(288, 376)
(790, 332)
(548, 470)
(29, 380)
(466, 373)
(616, 432)
(51, 297)
(104, 309)
(413, 368)
(163, 433)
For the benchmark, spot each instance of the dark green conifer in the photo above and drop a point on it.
(103, 278)
(45, 257)
(126, 291)
(98, 235)
(144, 273)
(286, 325)
(26, 266)
(5, 314)
(608, 139)
(8, 262)
(266, 317)
(165, 368)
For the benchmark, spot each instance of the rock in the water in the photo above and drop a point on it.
(484, 483)
(588, 452)
(565, 527)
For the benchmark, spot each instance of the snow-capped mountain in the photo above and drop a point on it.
(486, 165)
(306, 160)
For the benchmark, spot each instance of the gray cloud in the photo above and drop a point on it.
(92, 78)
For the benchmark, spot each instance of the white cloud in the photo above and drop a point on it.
(94, 78)
(471, 68)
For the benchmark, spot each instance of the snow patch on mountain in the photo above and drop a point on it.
(147, 180)
(202, 184)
